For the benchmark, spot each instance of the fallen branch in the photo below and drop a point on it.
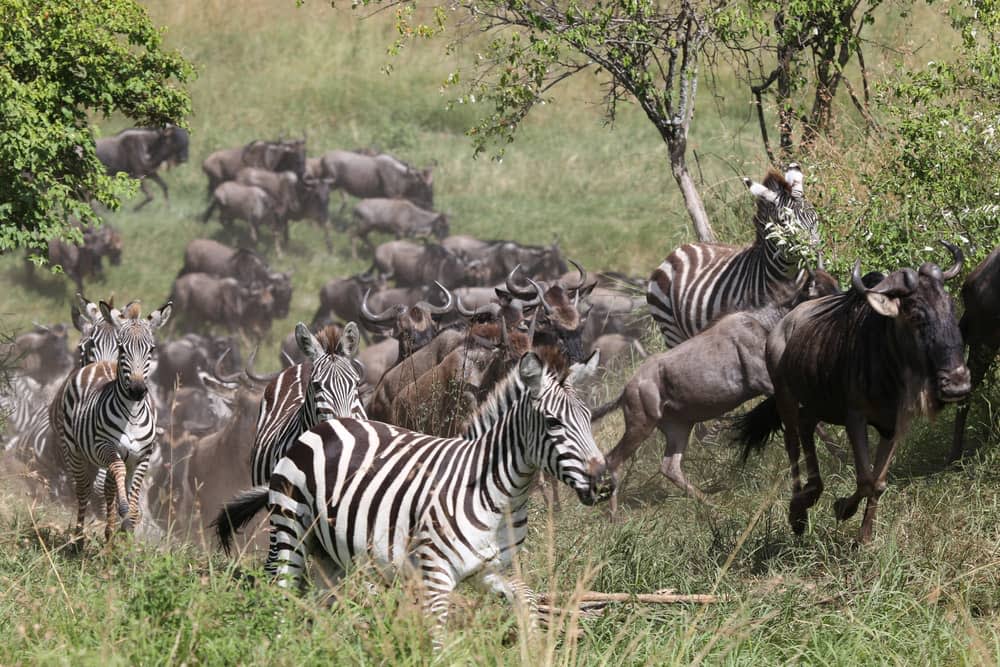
(643, 598)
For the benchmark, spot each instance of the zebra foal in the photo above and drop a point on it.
(105, 417)
(440, 509)
(700, 282)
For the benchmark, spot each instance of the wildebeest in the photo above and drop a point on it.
(562, 322)
(237, 201)
(183, 360)
(41, 354)
(398, 217)
(703, 378)
(413, 326)
(246, 266)
(413, 264)
(366, 176)
(980, 326)
(341, 297)
(295, 197)
(81, 261)
(872, 356)
(140, 151)
(378, 358)
(497, 259)
(204, 299)
(223, 165)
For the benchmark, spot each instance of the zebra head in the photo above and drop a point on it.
(781, 202)
(134, 336)
(97, 336)
(334, 379)
(567, 449)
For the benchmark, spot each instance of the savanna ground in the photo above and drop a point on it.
(925, 591)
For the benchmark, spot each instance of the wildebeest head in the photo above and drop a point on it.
(420, 187)
(412, 326)
(440, 227)
(314, 198)
(135, 344)
(781, 201)
(925, 321)
(561, 321)
(280, 284)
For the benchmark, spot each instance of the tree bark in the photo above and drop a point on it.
(689, 191)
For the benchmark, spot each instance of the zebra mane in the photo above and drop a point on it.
(775, 180)
(505, 394)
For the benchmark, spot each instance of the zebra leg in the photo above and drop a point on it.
(84, 482)
(116, 469)
(516, 592)
(109, 508)
(135, 489)
(286, 553)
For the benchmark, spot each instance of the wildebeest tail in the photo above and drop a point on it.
(602, 412)
(755, 428)
(237, 513)
(212, 203)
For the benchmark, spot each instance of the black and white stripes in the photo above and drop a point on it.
(442, 509)
(700, 282)
(107, 419)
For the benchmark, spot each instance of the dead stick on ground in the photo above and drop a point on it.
(645, 598)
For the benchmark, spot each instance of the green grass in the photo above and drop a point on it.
(926, 591)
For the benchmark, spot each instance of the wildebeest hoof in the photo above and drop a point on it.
(843, 509)
(797, 519)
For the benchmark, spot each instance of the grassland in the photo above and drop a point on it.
(926, 591)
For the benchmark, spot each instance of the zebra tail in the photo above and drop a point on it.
(754, 429)
(237, 513)
(601, 412)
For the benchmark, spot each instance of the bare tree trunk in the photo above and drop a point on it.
(689, 191)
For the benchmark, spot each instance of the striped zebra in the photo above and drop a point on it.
(700, 282)
(105, 417)
(323, 387)
(443, 509)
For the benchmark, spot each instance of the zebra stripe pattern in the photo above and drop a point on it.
(700, 282)
(442, 509)
(107, 419)
(302, 396)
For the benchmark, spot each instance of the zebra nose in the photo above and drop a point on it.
(137, 386)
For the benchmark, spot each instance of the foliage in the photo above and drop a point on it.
(61, 60)
(933, 172)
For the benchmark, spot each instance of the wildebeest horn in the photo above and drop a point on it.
(581, 271)
(217, 369)
(541, 296)
(370, 317)
(492, 309)
(531, 329)
(856, 278)
(440, 310)
(504, 340)
(956, 253)
(287, 359)
(41, 326)
(262, 379)
(519, 292)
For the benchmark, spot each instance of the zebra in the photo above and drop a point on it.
(442, 509)
(97, 337)
(105, 417)
(700, 282)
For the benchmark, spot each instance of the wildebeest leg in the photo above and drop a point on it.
(159, 181)
(980, 360)
(788, 408)
(814, 482)
(149, 197)
(638, 426)
(857, 433)
(678, 435)
(883, 459)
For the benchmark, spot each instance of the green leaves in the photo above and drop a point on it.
(61, 61)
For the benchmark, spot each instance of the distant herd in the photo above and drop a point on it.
(410, 423)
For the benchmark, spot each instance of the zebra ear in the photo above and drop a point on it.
(110, 315)
(581, 371)
(348, 345)
(530, 369)
(159, 317)
(760, 191)
(307, 342)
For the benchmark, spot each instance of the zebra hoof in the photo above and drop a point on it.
(127, 525)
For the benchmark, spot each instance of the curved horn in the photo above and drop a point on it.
(531, 329)
(541, 297)
(287, 359)
(41, 326)
(370, 317)
(504, 339)
(856, 278)
(959, 258)
(448, 305)
(217, 369)
(262, 379)
(581, 271)
(492, 309)
(519, 292)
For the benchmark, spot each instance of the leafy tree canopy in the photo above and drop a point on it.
(60, 61)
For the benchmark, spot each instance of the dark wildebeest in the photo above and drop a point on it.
(413, 326)
(874, 355)
(398, 217)
(81, 261)
(223, 165)
(498, 258)
(205, 299)
(140, 151)
(414, 264)
(378, 358)
(237, 201)
(246, 266)
(561, 321)
(296, 197)
(341, 297)
(367, 176)
(183, 361)
(41, 354)
(702, 378)
(980, 326)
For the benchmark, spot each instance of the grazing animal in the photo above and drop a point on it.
(398, 217)
(223, 165)
(413, 326)
(702, 378)
(414, 265)
(106, 418)
(699, 282)
(296, 197)
(980, 326)
(237, 201)
(218, 259)
(366, 176)
(497, 259)
(440, 509)
(206, 300)
(140, 151)
(41, 354)
(341, 297)
(872, 356)
(80, 261)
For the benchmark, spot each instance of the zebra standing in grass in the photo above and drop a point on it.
(700, 282)
(444, 509)
(105, 417)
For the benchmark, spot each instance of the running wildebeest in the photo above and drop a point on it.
(398, 217)
(874, 356)
(223, 165)
(703, 378)
(139, 152)
(364, 176)
(980, 326)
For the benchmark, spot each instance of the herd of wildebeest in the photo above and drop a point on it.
(447, 318)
